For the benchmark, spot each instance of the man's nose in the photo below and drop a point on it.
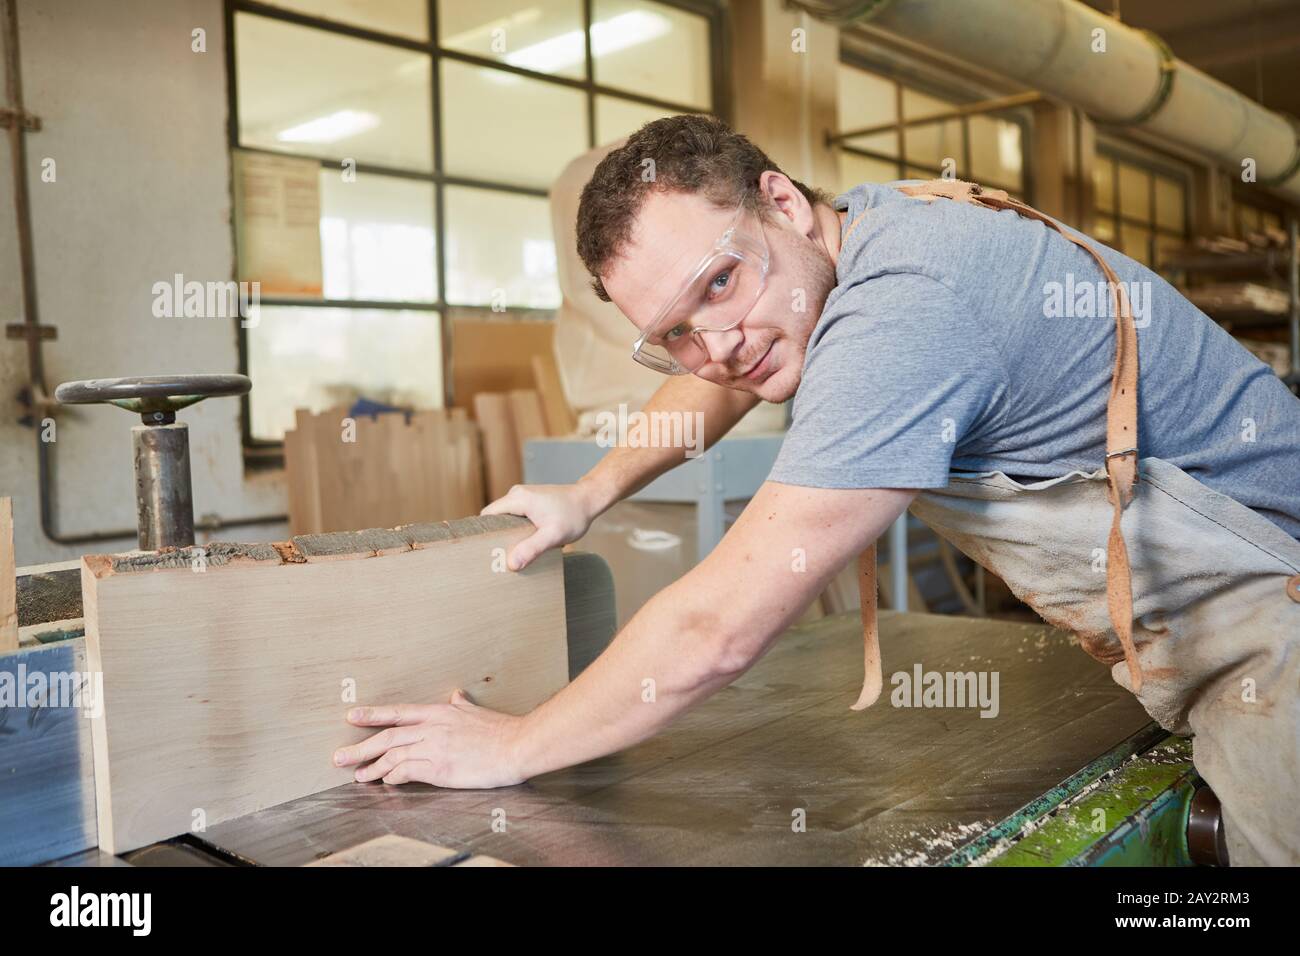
(721, 346)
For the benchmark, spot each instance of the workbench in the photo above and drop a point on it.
(723, 785)
(773, 769)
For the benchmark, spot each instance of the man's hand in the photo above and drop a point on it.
(458, 745)
(562, 514)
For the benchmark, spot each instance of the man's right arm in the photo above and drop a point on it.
(563, 513)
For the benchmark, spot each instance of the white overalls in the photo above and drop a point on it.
(1192, 597)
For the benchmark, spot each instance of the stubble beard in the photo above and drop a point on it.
(818, 280)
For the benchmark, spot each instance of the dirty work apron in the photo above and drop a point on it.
(1192, 597)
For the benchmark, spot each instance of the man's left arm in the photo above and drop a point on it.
(693, 638)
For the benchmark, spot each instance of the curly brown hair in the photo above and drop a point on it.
(692, 153)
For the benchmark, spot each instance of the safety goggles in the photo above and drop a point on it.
(717, 297)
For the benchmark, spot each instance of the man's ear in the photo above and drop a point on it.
(788, 200)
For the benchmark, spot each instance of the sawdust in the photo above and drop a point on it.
(937, 843)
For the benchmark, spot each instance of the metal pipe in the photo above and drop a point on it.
(898, 562)
(49, 527)
(22, 201)
(1048, 45)
(164, 501)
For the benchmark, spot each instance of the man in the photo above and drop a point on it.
(950, 357)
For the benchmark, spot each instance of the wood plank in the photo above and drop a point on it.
(302, 476)
(51, 631)
(470, 441)
(442, 474)
(500, 446)
(8, 579)
(389, 850)
(482, 861)
(395, 472)
(394, 850)
(223, 690)
(495, 355)
(47, 778)
(560, 419)
(394, 503)
(336, 468)
(527, 415)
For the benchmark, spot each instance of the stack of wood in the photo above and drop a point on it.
(1267, 237)
(508, 420)
(1220, 245)
(1233, 299)
(382, 471)
(504, 372)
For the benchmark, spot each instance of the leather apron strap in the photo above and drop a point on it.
(1121, 443)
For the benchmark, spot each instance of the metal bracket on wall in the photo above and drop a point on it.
(25, 330)
(28, 121)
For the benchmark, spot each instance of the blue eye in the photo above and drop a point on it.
(720, 281)
(675, 333)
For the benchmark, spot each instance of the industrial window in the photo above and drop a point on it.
(392, 160)
(1248, 219)
(1140, 210)
(985, 148)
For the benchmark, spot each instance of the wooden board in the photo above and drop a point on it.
(382, 470)
(224, 690)
(526, 411)
(8, 579)
(47, 775)
(302, 475)
(495, 355)
(560, 420)
(501, 460)
(393, 850)
(51, 631)
(389, 850)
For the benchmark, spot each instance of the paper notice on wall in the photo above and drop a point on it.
(277, 222)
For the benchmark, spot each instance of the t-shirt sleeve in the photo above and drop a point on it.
(899, 375)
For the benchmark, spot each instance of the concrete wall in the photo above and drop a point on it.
(136, 124)
(784, 86)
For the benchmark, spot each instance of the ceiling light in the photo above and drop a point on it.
(331, 128)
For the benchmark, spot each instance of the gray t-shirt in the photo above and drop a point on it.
(962, 339)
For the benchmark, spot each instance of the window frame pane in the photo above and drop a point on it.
(1124, 224)
(925, 101)
(714, 73)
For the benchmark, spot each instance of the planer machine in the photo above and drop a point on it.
(1060, 767)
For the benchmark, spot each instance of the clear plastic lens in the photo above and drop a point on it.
(718, 299)
(718, 296)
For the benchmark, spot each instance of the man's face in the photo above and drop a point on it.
(764, 354)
